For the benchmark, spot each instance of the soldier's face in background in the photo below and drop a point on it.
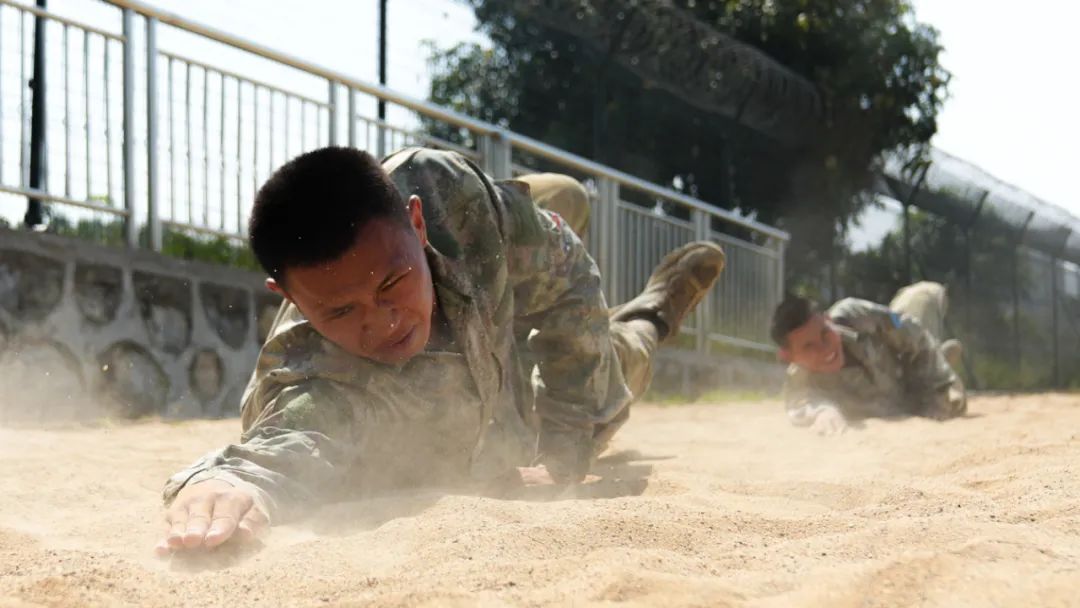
(815, 346)
(376, 300)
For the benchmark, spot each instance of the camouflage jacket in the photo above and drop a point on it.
(318, 422)
(893, 367)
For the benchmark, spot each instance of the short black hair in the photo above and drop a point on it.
(790, 315)
(312, 209)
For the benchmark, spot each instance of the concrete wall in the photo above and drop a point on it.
(87, 331)
(689, 375)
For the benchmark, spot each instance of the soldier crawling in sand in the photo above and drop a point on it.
(862, 360)
(413, 290)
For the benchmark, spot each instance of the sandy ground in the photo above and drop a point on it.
(704, 505)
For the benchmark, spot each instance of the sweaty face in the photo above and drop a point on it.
(816, 346)
(376, 300)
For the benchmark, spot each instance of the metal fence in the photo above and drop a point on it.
(160, 140)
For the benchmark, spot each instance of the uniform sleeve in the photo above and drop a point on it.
(557, 295)
(933, 388)
(292, 458)
(801, 401)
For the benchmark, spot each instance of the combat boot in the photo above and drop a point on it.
(953, 351)
(681, 280)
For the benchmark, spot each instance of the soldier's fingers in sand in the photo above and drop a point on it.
(254, 523)
(176, 523)
(199, 514)
(228, 509)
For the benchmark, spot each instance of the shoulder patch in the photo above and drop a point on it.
(895, 318)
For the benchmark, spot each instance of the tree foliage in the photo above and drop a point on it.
(875, 66)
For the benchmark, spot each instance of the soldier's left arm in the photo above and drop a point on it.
(557, 294)
(936, 389)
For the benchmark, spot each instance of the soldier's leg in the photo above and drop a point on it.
(563, 195)
(637, 327)
(927, 302)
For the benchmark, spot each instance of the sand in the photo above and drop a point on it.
(701, 505)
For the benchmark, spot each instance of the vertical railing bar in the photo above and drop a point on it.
(2, 98)
(67, 112)
(332, 112)
(24, 138)
(270, 130)
(239, 156)
(255, 133)
(303, 126)
(153, 197)
(221, 127)
(171, 110)
(108, 125)
(131, 229)
(206, 148)
(86, 113)
(190, 171)
(288, 128)
(352, 116)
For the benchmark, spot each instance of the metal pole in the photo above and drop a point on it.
(351, 116)
(380, 145)
(239, 158)
(152, 199)
(86, 110)
(333, 112)
(67, 112)
(35, 212)
(907, 244)
(221, 155)
(131, 230)
(108, 125)
(703, 315)
(190, 172)
(171, 112)
(2, 97)
(206, 147)
(607, 192)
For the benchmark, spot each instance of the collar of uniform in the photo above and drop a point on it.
(450, 278)
(852, 343)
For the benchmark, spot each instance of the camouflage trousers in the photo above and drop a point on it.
(926, 302)
(634, 341)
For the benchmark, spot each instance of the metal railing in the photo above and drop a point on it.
(194, 141)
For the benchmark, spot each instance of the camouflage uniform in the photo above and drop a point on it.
(318, 421)
(565, 196)
(894, 365)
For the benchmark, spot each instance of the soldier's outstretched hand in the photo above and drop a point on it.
(205, 515)
(829, 421)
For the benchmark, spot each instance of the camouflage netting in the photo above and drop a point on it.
(1014, 280)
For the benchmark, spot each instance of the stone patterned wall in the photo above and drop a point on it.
(87, 331)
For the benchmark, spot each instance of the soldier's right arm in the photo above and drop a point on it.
(292, 459)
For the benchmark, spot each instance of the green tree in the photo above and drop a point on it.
(874, 65)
